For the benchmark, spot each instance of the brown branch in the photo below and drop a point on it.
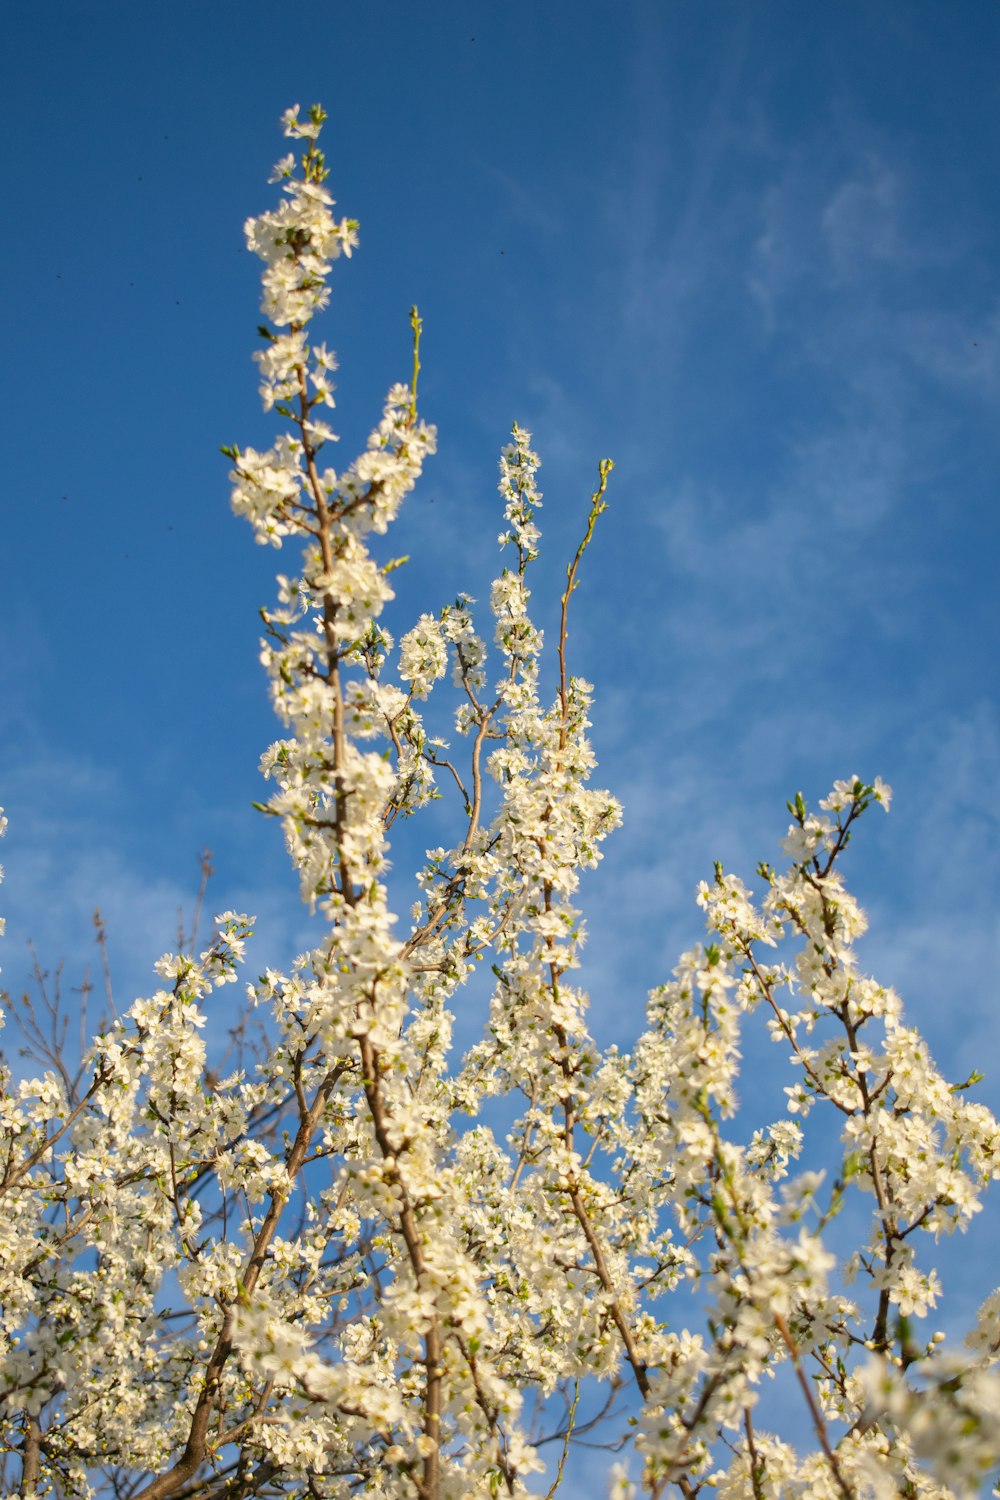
(814, 1411)
(31, 1456)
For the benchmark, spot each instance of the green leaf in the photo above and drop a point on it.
(974, 1077)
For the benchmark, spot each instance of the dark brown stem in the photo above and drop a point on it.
(814, 1411)
(31, 1456)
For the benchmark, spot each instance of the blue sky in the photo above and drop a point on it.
(747, 251)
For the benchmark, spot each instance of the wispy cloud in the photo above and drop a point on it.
(70, 849)
(832, 221)
(861, 220)
(960, 349)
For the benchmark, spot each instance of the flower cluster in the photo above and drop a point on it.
(361, 1264)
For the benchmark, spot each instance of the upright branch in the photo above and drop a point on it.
(597, 508)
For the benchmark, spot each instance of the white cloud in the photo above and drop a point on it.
(861, 219)
(70, 849)
(960, 349)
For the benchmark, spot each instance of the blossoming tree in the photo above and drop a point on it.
(328, 1274)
